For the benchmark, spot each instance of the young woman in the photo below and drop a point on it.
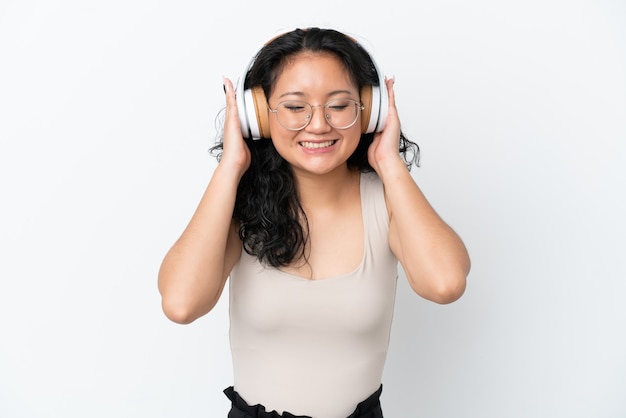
(308, 213)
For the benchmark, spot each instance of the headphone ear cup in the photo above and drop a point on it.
(241, 109)
(383, 108)
(366, 113)
(375, 102)
(253, 113)
(261, 113)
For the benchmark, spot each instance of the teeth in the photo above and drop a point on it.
(317, 144)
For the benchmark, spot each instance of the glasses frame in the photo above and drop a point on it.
(309, 116)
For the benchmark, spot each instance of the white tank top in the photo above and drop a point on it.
(315, 347)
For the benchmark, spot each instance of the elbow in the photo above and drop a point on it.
(178, 311)
(449, 291)
(439, 276)
(182, 304)
(450, 285)
(441, 288)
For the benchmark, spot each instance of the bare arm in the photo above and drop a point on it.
(432, 255)
(194, 271)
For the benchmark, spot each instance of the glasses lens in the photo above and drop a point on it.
(341, 113)
(294, 115)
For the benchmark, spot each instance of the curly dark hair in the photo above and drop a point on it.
(273, 225)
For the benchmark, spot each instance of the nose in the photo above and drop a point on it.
(318, 122)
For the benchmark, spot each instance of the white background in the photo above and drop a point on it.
(107, 110)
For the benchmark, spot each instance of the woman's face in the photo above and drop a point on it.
(318, 148)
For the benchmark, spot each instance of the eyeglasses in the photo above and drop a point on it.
(295, 115)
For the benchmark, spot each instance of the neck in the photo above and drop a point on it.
(327, 189)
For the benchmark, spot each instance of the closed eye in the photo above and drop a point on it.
(338, 108)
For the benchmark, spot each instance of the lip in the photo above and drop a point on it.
(318, 145)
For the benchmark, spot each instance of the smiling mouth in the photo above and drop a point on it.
(314, 145)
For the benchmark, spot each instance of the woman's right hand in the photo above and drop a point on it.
(235, 154)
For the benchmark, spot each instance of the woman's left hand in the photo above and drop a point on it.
(384, 152)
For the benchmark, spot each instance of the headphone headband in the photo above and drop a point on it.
(254, 115)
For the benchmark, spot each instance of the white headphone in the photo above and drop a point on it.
(254, 114)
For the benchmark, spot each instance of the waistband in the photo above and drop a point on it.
(369, 408)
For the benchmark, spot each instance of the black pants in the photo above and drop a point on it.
(369, 408)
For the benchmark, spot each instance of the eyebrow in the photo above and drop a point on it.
(301, 94)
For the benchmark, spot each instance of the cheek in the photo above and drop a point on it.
(353, 137)
(282, 139)
(277, 132)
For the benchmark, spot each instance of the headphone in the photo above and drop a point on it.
(254, 114)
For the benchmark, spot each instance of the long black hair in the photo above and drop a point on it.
(273, 225)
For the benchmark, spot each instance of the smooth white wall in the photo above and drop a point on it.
(106, 113)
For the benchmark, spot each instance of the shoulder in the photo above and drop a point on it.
(370, 182)
(372, 186)
(373, 196)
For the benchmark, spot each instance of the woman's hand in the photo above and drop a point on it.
(235, 154)
(383, 153)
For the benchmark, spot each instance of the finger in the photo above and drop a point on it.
(229, 91)
(232, 114)
(390, 82)
(392, 114)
